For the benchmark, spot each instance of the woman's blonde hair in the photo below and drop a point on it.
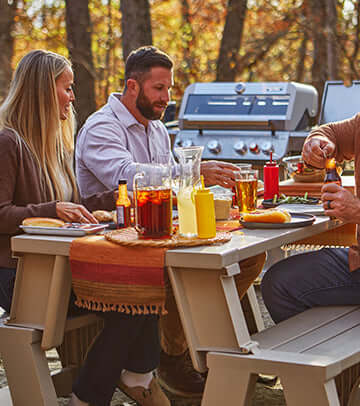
(31, 110)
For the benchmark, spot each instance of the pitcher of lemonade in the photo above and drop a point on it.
(153, 201)
(189, 159)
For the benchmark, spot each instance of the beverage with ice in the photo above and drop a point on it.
(154, 212)
(153, 200)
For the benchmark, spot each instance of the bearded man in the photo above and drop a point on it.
(112, 145)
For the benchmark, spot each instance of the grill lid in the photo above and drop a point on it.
(339, 101)
(255, 106)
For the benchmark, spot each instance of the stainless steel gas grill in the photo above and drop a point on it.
(245, 121)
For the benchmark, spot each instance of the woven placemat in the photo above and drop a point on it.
(129, 237)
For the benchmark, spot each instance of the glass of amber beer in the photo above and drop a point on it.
(153, 201)
(246, 189)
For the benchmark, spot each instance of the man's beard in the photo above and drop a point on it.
(145, 107)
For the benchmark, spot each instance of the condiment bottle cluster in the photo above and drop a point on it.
(197, 207)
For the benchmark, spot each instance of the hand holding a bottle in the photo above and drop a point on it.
(316, 150)
(340, 203)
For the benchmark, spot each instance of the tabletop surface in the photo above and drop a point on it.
(244, 243)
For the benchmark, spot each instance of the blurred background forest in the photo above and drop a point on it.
(308, 41)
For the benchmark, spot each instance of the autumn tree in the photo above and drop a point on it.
(7, 14)
(78, 30)
(231, 40)
(135, 24)
(324, 67)
(349, 42)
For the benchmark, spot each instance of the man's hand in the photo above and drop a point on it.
(218, 173)
(316, 150)
(74, 213)
(340, 203)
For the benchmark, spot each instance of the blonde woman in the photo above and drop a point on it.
(37, 180)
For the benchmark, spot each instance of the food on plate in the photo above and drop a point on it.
(103, 216)
(306, 174)
(43, 222)
(294, 199)
(267, 216)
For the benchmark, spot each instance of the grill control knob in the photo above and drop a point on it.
(214, 146)
(254, 148)
(267, 147)
(187, 143)
(240, 147)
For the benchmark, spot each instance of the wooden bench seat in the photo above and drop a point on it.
(33, 384)
(39, 322)
(309, 352)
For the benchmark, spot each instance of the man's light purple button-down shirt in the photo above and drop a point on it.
(112, 143)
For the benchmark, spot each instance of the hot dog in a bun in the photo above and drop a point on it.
(43, 222)
(102, 215)
(267, 216)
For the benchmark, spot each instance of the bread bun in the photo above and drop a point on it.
(43, 222)
(268, 216)
(103, 215)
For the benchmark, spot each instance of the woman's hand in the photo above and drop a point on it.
(74, 213)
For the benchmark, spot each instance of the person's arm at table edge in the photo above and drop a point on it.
(342, 135)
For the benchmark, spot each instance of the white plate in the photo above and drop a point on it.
(76, 231)
(314, 209)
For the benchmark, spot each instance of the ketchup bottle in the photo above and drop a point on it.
(271, 179)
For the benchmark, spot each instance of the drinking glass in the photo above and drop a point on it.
(246, 189)
(244, 166)
(241, 167)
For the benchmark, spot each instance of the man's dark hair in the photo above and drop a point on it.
(141, 60)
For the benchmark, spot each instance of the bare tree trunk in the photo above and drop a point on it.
(109, 48)
(135, 24)
(355, 53)
(319, 68)
(300, 68)
(231, 41)
(7, 14)
(331, 39)
(78, 30)
(185, 74)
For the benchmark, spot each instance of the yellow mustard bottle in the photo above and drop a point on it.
(205, 213)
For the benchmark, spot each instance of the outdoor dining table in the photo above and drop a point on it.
(38, 316)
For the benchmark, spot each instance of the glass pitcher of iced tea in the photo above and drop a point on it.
(153, 201)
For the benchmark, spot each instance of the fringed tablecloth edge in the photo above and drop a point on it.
(127, 308)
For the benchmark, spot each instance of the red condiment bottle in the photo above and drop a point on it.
(271, 179)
